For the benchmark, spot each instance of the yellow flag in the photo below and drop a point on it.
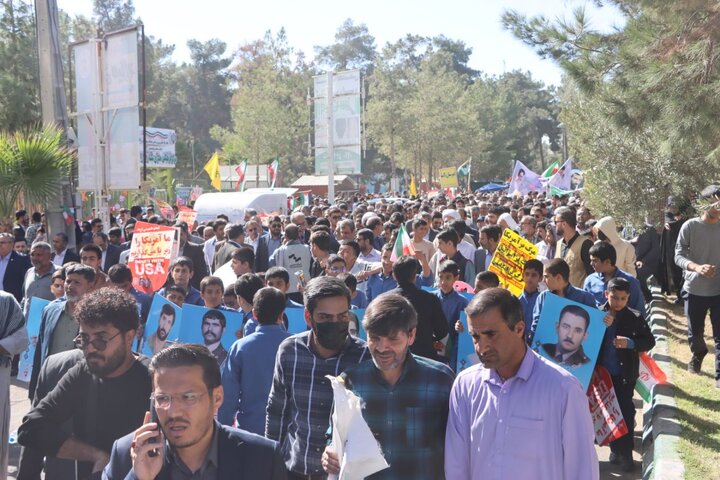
(212, 167)
(413, 187)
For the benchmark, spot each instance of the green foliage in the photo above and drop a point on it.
(354, 48)
(32, 164)
(649, 86)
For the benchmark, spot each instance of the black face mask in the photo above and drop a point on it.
(331, 335)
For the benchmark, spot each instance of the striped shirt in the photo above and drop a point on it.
(301, 399)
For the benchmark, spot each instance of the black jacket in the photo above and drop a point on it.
(630, 324)
(575, 360)
(15, 274)
(200, 270)
(432, 324)
(241, 455)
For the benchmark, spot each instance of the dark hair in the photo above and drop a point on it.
(91, 247)
(216, 315)
(488, 278)
(534, 264)
(135, 210)
(558, 266)
(188, 355)
(335, 258)
(492, 232)
(373, 222)
(349, 280)
(120, 273)
(182, 262)
(460, 228)
(448, 236)
(618, 284)
(292, 231)
(247, 285)
(388, 314)
(604, 251)
(234, 230)
(352, 244)
(168, 309)
(419, 222)
(210, 280)
(244, 255)
(405, 269)
(108, 306)
(277, 272)
(577, 311)
(115, 232)
(567, 215)
(365, 234)
(268, 303)
(176, 289)
(448, 266)
(320, 239)
(507, 303)
(79, 269)
(320, 288)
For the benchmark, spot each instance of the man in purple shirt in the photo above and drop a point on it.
(515, 415)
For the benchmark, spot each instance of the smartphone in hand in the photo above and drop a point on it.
(154, 419)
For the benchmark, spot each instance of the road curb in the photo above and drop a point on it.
(661, 432)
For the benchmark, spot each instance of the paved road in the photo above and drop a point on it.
(20, 405)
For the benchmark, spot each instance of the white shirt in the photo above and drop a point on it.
(59, 258)
(372, 257)
(209, 251)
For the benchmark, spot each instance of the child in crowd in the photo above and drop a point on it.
(532, 275)
(176, 294)
(357, 298)
(245, 288)
(448, 250)
(230, 299)
(181, 272)
(625, 338)
(453, 304)
(211, 289)
(485, 280)
(279, 278)
(335, 265)
(57, 285)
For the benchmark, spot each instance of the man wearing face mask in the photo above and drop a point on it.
(410, 427)
(301, 398)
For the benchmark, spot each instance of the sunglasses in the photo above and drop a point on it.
(99, 344)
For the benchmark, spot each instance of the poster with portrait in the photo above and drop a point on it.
(296, 321)
(570, 334)
(524, 180)
(33, 328)
(216, 329)
(163, 326)
(467, 357)
(563, 177)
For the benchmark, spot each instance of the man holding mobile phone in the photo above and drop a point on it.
(190, 444)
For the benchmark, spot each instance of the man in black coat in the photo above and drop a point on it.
(187, 393)
(110, 252)
(235, 238)
(14, 266)
(195, 253)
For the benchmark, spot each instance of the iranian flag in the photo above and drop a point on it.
(272, 173)
(551, 170)
(403, 245)
(240, 170)
(650, 375)
(68, 216)
(302, 199)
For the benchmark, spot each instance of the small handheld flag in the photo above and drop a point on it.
(403, 245)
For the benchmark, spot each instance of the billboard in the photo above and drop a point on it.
(160, 147)
(106, 76)
(347, 132)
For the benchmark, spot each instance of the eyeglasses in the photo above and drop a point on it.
(337, 269)
(99, 344)
(326, 317)
(85, 259)
(163, 401)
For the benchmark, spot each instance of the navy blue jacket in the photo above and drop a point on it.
(15, 275)
(241, 455)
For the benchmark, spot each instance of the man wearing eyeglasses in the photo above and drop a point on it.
(186, 442)
(105, 395)
(267, 244)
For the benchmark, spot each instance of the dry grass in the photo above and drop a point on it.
(698, 402)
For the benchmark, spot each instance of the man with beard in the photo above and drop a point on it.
(409, 426)
(58, 323)
(301, 398)
(105, 394)
(516, 414)
(185, 442)
(213, 327)
(572, 247)
(158, 340)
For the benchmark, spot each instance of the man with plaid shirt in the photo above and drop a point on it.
(406, 396)
(298, 410)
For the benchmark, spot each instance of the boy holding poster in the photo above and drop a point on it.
(453, 304)
(625, 338)
(211, 291)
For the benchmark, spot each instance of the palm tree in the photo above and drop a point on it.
(33, 164)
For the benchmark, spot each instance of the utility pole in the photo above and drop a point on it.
(54, 107)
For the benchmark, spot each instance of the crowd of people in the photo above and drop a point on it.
(263, 408)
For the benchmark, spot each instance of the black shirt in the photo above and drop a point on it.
(432, 324)
(102, 410)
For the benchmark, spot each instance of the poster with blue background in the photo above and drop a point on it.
(570, 334)
(296, 321)
(162, 327)
(215, 328)
(33, 328)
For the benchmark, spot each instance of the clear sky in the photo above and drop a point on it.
(476, 22)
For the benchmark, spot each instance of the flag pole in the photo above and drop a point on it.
(469, 174)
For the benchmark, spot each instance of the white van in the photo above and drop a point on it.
(234, 204)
